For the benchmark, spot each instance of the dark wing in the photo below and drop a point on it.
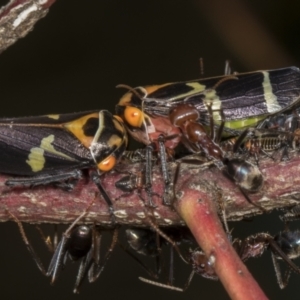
(32, 150)
(240, 96)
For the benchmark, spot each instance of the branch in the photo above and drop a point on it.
(18, 17)
(201, 192)
(49, 204)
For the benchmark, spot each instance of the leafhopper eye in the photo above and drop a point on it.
(134, 116)
(107, 164)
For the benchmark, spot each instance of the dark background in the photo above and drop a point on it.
(72, 61)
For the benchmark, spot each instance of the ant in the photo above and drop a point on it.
(285, 246)
(78, 243)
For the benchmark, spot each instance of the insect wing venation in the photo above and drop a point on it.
(37, 145)
(242, 96)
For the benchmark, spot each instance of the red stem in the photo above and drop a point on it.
(200, 215)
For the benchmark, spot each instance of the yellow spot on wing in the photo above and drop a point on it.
(243, 123)
(270, 97)
(197, 89)
(55, 117)
(153, 88)
(36, 158)
(211, 98)
(46, 144)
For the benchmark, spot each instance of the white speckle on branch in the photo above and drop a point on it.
(24, 15)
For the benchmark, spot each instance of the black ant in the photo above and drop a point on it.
(78, 242)
(244, 174)
(148, 243)
(284, 246)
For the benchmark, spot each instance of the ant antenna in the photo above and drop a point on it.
(163, 235)
(27, 243)
(166, 286)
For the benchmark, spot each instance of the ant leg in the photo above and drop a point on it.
(221, 127)
(59, 257)
(165, 172)
(148, 175)
(87, 265)
(189, 280)
(211, 121)
(49, 244)
(281, 282)
(240, 140)
(97, 238)
(169, 285)
(96, 180)
(148, 270)
(28, 245)
(163, 235)
(250, 201)
(166, 286)
(222, 205)
(99, 267)
(171, 269)
(276, 249)
(55, 237)
(215, 137)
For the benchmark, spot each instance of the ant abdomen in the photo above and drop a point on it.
(289, 243)
(142, 241)
(80, 242)
(245, 174)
